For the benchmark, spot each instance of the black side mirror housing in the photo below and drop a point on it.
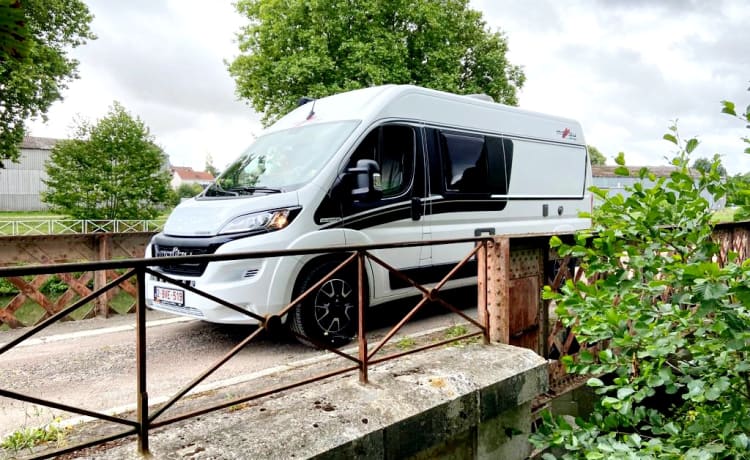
(366, 181)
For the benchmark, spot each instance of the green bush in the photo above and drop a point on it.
(676, 374)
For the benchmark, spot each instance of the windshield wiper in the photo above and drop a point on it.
(254, 189)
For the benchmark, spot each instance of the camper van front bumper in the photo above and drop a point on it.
(172, 298)
(241, 283)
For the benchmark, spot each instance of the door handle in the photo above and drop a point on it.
(416, 208)
(481, 231)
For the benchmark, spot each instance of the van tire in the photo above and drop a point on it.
(328, 315)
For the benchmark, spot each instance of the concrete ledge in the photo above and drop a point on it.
(456, 402)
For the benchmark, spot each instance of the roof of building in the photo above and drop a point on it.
(188, 173)
(38, 143)
(609, 171)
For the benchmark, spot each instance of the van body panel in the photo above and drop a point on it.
(199, 218)
(448, 167)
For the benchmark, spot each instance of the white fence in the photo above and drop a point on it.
(56, 227)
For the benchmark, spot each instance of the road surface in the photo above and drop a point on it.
(92, 364)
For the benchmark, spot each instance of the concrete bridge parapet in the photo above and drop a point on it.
(455, 402)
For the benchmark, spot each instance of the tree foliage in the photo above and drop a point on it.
(188, 190)
(13, 31)
(704, 164)
(596, 157)
(34, 65)
(296, 48)
(210, 168)
(676, 372)
(110, 170)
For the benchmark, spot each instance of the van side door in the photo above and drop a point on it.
(397, 215)
(468, 187)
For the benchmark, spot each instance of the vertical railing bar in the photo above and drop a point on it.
(140, 350)
(486, 277)
(361, 276)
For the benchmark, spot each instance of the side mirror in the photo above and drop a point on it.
(366, 181)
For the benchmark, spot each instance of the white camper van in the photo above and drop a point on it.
(379, 165)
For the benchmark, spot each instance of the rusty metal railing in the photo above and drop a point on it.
(366, 356)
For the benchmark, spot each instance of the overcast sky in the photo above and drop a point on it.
(624, 69)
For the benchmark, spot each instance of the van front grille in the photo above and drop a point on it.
(190, 269)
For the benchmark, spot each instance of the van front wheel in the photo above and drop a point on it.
(329, 313)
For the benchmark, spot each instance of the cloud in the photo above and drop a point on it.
(625, 70)
(164, 61)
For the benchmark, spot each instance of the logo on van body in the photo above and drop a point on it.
(566, 133)
(174, 252)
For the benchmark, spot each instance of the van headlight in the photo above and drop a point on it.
(260, 221)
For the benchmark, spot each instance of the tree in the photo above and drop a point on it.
(13, 31)
(210, 166)
(704, 164)
(110, 170)
(675, 374)
(188, 190)
(597, 157)
(34, 65)
(299, 48)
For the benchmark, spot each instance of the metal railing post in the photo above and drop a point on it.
(482, 276)
(361, 277)
(140, 351)
(498, 289)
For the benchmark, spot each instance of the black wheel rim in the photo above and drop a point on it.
(335, 307)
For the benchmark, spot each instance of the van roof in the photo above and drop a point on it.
(430, 107)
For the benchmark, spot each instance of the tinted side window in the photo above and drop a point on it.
(476, 164)
(392, 147)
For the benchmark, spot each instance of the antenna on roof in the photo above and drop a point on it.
(304, 100)
(312, 110)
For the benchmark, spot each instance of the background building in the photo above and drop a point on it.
(187, 175)
(21, 183)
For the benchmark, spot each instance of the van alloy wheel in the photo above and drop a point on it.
(335, 306)
(329, 314)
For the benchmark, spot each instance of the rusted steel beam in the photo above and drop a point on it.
(426, 347)
(84, 445)
(398, 327)
(176, 260)
(325, 346)
(498, 289)
(104, 252)
(361, 336)
(65, 407)
(220, 362)
(482, 312)
(258, 395)
(140, 359)
(315, 286)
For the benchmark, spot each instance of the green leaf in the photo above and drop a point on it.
(671, 138)
(691, 145)
(594, 382)
(741, 441)
(601, 193)
(555, 242)
(623, 393)
(728, 107)
(622, 171)
(620, 159)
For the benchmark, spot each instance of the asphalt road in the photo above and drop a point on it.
(92, 364)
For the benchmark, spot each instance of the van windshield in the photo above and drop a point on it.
(282, 160)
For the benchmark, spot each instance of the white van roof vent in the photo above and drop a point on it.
(481, 97)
